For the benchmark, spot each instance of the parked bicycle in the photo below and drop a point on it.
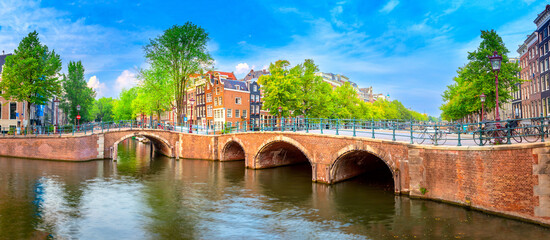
(496, 134)
(437, 136)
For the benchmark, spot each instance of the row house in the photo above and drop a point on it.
(228, 101)
(12, 114)
(257, 114)
(532, 99)
(543, 32)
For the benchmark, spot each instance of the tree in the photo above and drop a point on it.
(155, 90)
(122, 108)
(345, 101)
(462, 97)
(77, 92)
(313, 93)
(280, 88)
(180, 51)
(31, 74)
(102, 109)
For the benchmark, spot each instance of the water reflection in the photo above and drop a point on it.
(140, 197)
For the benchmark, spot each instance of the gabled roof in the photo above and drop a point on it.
(255, 74)
(232, 84)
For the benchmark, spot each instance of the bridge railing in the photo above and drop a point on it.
(415, 132)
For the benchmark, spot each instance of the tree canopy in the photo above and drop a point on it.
(76, 92)
(180, 51)
(475, 78)
(31, 74)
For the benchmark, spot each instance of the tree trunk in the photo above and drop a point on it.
(29, 117)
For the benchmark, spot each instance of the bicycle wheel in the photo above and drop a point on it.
(497, 137)
(479, 139)
(516, 135)
(531, 134)
(442, 138)
(421, 138)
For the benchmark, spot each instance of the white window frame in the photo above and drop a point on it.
(229, 113)
(237, 113)
(238, 100)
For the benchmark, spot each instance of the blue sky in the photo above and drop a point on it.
(409, 49)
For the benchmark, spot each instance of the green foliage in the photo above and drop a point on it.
(180, 51)
(300, 93)
(102, 109)
(122, 108)
(31, 74)
(155, 91)
(77, 92)
(462, 97)
(423, 190)
(280, 88)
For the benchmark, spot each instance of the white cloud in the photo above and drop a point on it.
(97, 86)
(389, 6)
(242, 68)
(125, 80)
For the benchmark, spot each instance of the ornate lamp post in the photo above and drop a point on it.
(78, 117)
(280, 111)
(56, 103)
(496, 60)
(191, 101)
(482, 98)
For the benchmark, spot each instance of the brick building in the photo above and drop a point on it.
(12, 114)
(543, 32)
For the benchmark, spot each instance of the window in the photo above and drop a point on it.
(257, 98)
(217, 91)
(237, 100)
(13, 110)
(254, 88)
(209, 111)
(229, 113)
(220, 101)
(238, 87)
(215, 101)
(257, 109)
(237, 115)
(244, 113)
(209, 97)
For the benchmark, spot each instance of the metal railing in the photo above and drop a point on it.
(415, 132)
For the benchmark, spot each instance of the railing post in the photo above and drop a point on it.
(435, 136)
(541, 128)
(321, 125)
(480, 135)
(73, 130)
(411, 127)
(372, 127)
(393, 126)
(130, 125)
(459, 132)
(295, 125)
(354, 127)
(337, 126)
(508, 132)
(307, 125)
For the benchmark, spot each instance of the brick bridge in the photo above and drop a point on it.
(511, 180)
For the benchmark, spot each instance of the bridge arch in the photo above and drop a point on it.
(280, 151)
(160, 143)
(232, 150)
(354, 160)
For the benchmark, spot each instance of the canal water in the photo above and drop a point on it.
(140, 197)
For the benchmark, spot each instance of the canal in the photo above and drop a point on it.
(148, 196)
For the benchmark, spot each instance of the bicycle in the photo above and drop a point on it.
(435, 135)
(495, 134)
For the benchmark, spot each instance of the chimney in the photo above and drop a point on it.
(3, 52)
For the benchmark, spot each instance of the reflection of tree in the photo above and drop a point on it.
(134, 159)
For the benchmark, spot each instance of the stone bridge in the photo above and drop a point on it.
(511, 180)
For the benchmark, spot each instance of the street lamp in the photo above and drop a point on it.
(192, 100)
(78, 117)
(56, 103)
(280, 111)
(496, 60)
(482, 98)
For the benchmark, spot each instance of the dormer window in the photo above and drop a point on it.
(238, 87)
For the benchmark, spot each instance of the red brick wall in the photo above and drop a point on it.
(53, 147)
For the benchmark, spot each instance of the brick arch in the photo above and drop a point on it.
(228, 144)
(382, 156)
(269, 142)
(153, 137)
